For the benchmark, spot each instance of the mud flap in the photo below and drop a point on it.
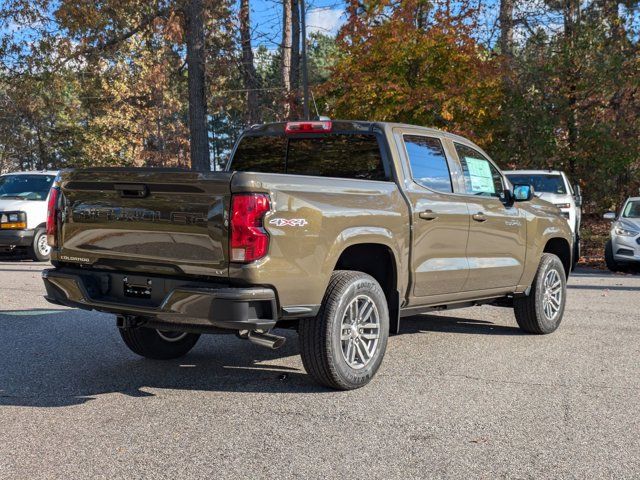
(394, 313)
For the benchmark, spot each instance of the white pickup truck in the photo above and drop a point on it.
(554, 187)
(23, 212)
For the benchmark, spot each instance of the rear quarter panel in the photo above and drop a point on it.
(312, 221)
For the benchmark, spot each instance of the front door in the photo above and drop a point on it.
(440, 220)
(497, 233)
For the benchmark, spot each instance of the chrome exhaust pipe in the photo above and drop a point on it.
(266, 339)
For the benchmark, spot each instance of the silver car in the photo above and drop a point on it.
(623, 249)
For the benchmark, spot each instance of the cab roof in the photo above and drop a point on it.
(533, 172)
(35, 172)
(278, 128)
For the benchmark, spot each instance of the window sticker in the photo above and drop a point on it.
(480, 175)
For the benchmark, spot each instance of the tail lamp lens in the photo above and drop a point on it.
(52, 216)
(249, 240)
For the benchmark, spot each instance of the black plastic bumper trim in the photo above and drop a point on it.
(191, 306)
(16, 238)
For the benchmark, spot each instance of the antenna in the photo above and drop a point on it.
(314, 103)
(305, 74)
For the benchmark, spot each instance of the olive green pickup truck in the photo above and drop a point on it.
(334, 229)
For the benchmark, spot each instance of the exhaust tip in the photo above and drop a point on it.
(266, 340)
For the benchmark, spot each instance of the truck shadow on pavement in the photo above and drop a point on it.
(58, 358)
(438, 323)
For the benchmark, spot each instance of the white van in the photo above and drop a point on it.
(554, 187)
(23, 212)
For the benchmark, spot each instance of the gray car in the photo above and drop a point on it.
(623, 249)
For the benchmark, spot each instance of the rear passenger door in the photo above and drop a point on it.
(497, 233)
(440, 219)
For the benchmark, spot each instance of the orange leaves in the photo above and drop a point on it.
(172, 28)
(406, 66)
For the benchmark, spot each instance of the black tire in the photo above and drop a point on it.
(530, 310)
(149, 342)
(576, 254)
(36, 251)
(612, 264)
(320, 338)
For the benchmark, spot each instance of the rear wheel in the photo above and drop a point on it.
(158, 344)
(40, 251)
(541, 311)
(343, 346)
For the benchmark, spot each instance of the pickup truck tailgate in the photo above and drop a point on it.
(146, 220)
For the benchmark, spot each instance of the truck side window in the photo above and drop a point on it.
(428, 162)
(480, 176)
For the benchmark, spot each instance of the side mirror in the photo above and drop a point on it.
(522, 193)
(578, 200)
(577, 195)
(609, 216)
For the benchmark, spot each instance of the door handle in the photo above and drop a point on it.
(428, 215)
(479, 217)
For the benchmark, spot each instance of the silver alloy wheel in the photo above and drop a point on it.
(360, 332)
(43, 247)
(552, 298)
(171, 336)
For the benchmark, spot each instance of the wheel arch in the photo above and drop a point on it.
(560, 248)
(380, 261)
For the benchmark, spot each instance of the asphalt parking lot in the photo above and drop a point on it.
(461, 395)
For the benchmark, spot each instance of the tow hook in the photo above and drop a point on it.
(264, 339)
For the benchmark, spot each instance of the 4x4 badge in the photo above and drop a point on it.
(288, 222)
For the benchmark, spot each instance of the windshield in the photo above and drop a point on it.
(541, 182)
(631, 209)
(25, 187)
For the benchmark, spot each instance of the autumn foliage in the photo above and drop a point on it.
(418, 66)
(553, 84)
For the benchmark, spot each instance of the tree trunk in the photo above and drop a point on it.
(249, 76)
(295, 56)
(571, 20)
(506, 27)
(199, 139)
(287, 33)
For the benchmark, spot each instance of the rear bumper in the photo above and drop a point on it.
(194, 306)
(16, 238)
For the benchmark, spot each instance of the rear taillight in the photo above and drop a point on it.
(308, 127)
(249, 240)
(52, 216)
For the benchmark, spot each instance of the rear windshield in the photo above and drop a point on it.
(25, 187)
(541, 183)
(336, 155)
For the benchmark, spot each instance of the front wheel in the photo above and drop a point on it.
(40, 251)
(541, 311)
(158, 344)
(612, 264)
(576, 254)
(343, 346)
